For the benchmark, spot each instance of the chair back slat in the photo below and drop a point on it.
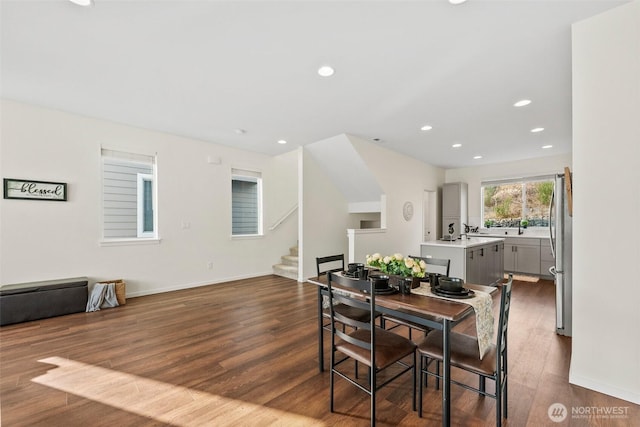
(503, 322)
(438, 262)
(354, 289)
(334, 262)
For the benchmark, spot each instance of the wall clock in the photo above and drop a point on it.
(407, 211)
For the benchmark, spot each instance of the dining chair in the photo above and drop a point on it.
(333, 263)
(464, 354)
(442, 265)
(376, 348)
(411, 325)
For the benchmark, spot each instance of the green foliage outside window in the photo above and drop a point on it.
(506, 205)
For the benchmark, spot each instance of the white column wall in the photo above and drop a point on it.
(606, 184)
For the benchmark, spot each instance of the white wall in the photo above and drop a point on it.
(523, 168)
(606, 151)
(324, 217)
(402, 179)
(50, 240)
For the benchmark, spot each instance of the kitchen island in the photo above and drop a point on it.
(477, 260)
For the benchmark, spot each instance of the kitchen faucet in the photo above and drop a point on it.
(520, 231)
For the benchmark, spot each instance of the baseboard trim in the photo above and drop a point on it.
(182, 286)
(608, 389)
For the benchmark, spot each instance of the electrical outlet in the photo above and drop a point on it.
(210, 265)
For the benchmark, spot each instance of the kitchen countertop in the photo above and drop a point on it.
(528, 234)
(470, 242)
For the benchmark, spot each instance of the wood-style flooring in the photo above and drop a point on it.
(244, 353)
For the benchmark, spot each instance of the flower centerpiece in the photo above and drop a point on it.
(397, 265)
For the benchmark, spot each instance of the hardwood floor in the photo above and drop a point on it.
(243, 353)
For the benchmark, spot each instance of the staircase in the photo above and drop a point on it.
(289, 265)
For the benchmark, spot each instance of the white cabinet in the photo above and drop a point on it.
(454, 207)
(522, 255)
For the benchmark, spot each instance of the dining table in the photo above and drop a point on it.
(435, 313)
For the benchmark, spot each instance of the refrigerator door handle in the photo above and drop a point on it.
(560, 308)
(553, 250)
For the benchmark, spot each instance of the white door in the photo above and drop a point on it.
(429, 216)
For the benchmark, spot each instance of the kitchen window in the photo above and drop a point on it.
(129, 202)
(524, 201)
(246, 203)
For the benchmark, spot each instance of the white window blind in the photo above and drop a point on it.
(246, 201)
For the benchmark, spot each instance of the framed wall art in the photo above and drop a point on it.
(35, 190)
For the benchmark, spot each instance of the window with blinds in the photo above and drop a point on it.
(246, 203)
(128, 195)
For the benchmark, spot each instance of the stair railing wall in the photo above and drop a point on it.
(283, 218)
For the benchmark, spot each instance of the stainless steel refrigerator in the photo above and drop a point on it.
(560, 235)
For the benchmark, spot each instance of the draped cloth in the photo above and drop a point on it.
(102, 296)
(482, 305)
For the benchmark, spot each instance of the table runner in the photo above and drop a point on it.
(482, 305)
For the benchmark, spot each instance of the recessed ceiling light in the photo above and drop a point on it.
(326, 71)
(522, 103)
(240, 131)
(544, 147)
(82, 2)
(282, 141)
(426, 127)
(536, 130)
(457, 1)
(477, 157)
(456, 145)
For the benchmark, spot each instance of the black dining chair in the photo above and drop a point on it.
(378, 349)
(336, 263)
(396, 322)
(464, 354)
(435, 265)
(333, 263)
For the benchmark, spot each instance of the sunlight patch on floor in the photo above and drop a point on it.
(164, 402)
(524, 278)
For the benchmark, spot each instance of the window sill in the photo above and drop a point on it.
(246, 236)
(131, 242)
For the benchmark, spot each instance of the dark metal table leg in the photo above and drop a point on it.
(320, 333)
(446, 374)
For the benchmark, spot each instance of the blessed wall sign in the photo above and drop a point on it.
(35, 190)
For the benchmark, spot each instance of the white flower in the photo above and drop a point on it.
(417, 269)
(398, 256)
(386, 259)
(408, 262)
(376, 256)
(423, 265)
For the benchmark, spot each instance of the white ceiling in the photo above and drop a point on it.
(204, 69)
